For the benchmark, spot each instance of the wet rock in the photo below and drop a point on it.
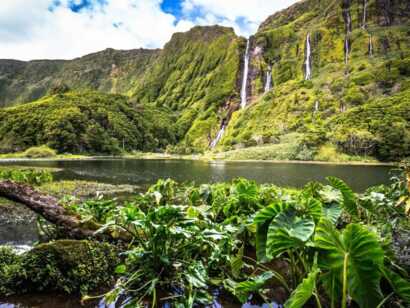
(65, 266)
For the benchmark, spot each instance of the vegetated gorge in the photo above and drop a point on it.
(325, 81)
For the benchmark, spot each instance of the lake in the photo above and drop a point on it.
(146, 172)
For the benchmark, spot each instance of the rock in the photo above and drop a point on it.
(64, 266)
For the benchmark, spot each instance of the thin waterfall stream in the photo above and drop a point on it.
(348, 22)
(244, 90)
(370, 46)
(364, 14)
(268, 85)
(218, 137)
(308, 62)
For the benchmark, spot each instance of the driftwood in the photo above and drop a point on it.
(49, 208)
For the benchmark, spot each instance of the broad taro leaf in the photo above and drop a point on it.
(237, 263)
(400, 285)
(288, 231)
(332, 212)
(244, 289)
(303, 292)
(349, 198)
(364, 255)
(313, 208)
(262, 220)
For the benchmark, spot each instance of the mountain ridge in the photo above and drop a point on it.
(356, 51)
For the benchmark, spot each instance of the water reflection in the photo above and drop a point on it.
(146, 172)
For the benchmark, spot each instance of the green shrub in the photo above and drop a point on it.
(27, 176)
(40, 152)
(65, 266)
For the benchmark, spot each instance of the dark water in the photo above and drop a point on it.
(146, 172)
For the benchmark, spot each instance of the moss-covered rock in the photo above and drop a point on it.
(64, 266)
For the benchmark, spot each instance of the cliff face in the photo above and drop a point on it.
(196, 75)
(321, 69)
(109, 71)
(326, 58)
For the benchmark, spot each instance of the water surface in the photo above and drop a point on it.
(146, 172)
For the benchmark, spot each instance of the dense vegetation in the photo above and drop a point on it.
(108, 71)
(359, 85)
(337, 90)
(322, 246)
(87, 122)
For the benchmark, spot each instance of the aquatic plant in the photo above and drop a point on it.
(28, 176)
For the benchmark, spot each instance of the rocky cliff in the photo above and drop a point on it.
(333, 75)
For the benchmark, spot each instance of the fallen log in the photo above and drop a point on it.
(49, 208)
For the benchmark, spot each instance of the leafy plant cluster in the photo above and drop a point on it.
(35, 177)
(88, 122)
(189, 242)
(64, 266)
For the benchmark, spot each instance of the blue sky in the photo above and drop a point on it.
(34, 29)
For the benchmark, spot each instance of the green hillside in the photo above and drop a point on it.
(108, 71)
(347, 94)
(320, 109)
(85, 122)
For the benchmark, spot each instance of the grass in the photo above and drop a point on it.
(329, 153)
(82, 189)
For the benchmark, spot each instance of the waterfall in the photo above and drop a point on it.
(316, 106)
(370, 46)
(268, 85)
(218, 137)
(347, 49)
(364, 14)
(348, 23)
(308, 64)
(244, 91)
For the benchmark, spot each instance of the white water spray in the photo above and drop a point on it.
(370, 46)
(218, 137)
(268, 85)
(244, 91)
(316, 106)
(348, 21)
(308, 64)
(347, 49)
(364, 14)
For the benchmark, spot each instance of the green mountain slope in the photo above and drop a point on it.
(340, 83)
(196, 75)
(109, 71)
(85, 122)
(374, 66)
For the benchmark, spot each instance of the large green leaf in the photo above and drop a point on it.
(400, 285)
(288, 231)
(244, 289)
(262, 219)
(349, 198)
(361, 250)
(332, 212)
(303, 292)
(314, 208)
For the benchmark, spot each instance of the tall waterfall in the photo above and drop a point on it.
(347, 49)
(268, 85)
(316, 106)
(348, 22)
(308, 64)
(364, 14)
(244, 91)
(370, 46)
(218, 137)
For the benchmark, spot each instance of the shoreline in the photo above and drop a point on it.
(154, 156)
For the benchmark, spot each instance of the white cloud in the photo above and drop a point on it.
(29, 30)
(244, 16)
